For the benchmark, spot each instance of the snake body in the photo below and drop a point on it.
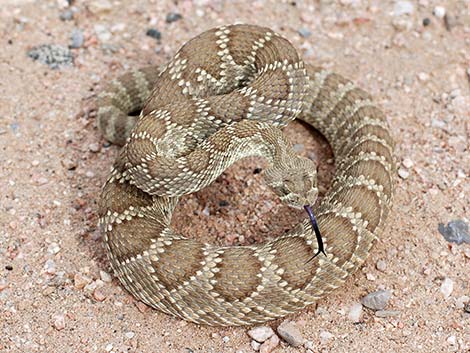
(225, 95)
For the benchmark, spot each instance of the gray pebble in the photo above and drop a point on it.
(305, 32)
(154, 33)
(381, 265)
(376, 300)
(387, 313)
(355, 312)
(53, 55)
(67, 15)
(466, 308)
(173, 17)
(455, 232)
(77, 38)
(290, 333)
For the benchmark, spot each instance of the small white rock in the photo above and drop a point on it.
(130, 334)
(407, 163)
(461, 301)
(109, 347)
(53, 248)
(105, 276)
(452, 340)
(403, 8)
(325, 336)
(261, 333)
(355, 312)
(59, 322)
(225, 339)
(439, 11)
(381, 265)
(377, 300)
(447, 287)
(255, 345)
(403, 173)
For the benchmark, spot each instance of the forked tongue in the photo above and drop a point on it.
(313, 220)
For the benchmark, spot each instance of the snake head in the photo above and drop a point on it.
(294, 181)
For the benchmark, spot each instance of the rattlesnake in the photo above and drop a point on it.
(223, 96)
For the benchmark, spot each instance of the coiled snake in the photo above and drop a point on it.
(224, 96)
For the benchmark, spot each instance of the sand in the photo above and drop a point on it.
(56, 289)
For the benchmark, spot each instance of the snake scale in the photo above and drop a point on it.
(225, 95)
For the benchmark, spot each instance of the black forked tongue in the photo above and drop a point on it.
(313, 220)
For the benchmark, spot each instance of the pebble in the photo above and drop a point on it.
(50, 267)
(325, 336)
(466, 308)
(308, 345)
(376, 300)
(407, 163)
(129, 334)
(355, 312)
(460, 302)
(439, 12)
(3, 284)
(226, 339)
(69, 164)
(269, 345)
(261, 333)
(298, 147)
(387, 313)
(94, 147)
(402, 24)
(59, 322)
(290, 333)
(305, 32)
(403, 173)
(53, 55)
(456, 231)
(403, 8)
(452, 340)
(53, 248)
(173, 17)
(80, 281)
(102, 32)
(423, 77)
(447, 287)
(255, 345)
(154, 33)
(77, 38)
(99, 295)
(67, 15)
(426, 22)
(109, 347)
(381, 265)
(100, 6)
(105, 276)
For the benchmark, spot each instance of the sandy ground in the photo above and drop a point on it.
(56, 294)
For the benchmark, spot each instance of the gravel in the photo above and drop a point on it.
(376, 300)
(53, 55)
(455, 232)
(290, 333)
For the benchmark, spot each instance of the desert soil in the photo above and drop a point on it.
(57, 293)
